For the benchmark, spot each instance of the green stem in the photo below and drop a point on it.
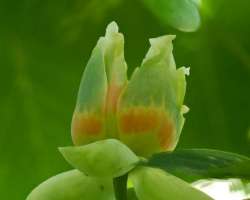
(120, 187)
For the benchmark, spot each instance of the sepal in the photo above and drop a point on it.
(105, 158)
(73, 185)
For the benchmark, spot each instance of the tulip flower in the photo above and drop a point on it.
(121, 129)
(145, 113)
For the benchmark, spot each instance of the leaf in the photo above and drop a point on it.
(194, 164)
(151, 183)
(73, 185)
(150, 108)
(106, 158)
(181, 14)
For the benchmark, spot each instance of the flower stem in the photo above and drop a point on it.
(120, 187)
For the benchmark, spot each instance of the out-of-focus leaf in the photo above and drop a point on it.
(194, 164)
(73, 185)
(181, 14)
(197, 2)
(106, 158)
(155, 184)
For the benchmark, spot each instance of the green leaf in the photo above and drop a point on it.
(150, 110)
(106, 158)
(73, 185)
(194, 164)
(181, 14)
(151, 183)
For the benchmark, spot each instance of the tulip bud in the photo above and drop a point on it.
(147, 113)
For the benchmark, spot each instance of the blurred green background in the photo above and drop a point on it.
(44, 46)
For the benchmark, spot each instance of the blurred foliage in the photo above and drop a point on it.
(44, 46)
(181, 14)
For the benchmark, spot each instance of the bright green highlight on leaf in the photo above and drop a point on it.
(106, 158)
(73, 185)
(155, 184)
(181, 14)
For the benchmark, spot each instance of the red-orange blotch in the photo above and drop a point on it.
(84, 126)
(113, 94)
(146, 120)
(166, 134)
(139, 120)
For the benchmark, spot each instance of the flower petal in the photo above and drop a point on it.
(101, 84)
(150, 109)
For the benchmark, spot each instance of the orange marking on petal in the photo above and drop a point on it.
(139, 120)
(86, 124)
(112, 97)
(166, 134)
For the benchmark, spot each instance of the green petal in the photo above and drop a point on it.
(157, 87)
(73, 185)
(113, 47)
(103, 80)
(116, 69)
(93, 86)
(106, 158)
(156, 80)
(152, 183)
(106, 66)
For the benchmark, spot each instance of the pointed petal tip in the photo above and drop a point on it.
(61, 149)
(64, 150)
(159, 45)
(187, 71)
(162, 39)
(184, 109)
(112, 28)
